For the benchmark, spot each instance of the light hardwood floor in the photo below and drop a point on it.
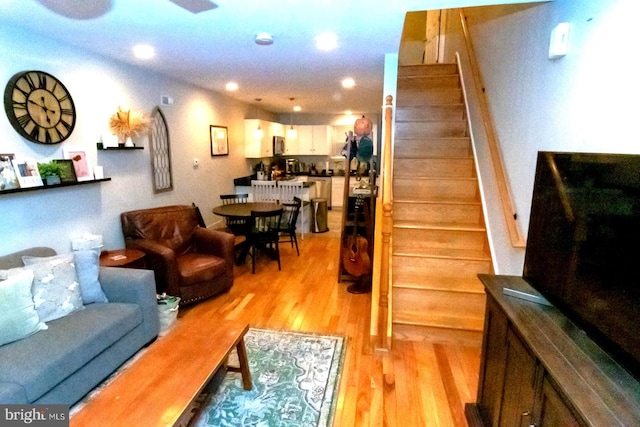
(413, 385)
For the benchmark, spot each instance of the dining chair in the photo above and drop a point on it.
(288, 190)
(264, 191)
(235, 225)
(287, 227)
(264, 234)
(228, 199)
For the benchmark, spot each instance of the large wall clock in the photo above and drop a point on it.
(39, 107)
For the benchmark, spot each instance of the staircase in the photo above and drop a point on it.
(439, 237)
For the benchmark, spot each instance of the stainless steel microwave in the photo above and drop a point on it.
(278, 145)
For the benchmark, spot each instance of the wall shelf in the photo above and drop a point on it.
(102, 148)
(51, 187)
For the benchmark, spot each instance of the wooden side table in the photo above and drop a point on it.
(128, 258)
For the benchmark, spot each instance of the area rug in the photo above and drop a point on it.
(295, 379)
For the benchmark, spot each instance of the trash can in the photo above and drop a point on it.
(167, 312)
(319, 215)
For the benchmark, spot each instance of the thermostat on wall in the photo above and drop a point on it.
(559, 44)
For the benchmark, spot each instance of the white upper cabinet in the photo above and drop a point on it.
(339, 139)
(309, 140)
(321, 140)
(305, 140)
(258, 144)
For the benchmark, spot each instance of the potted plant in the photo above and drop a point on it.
(125, 123)
(50, 172)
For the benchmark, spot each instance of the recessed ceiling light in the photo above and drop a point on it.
(297, 108)
(264, 39)
(348, 83)
(231, 86)
(326, 41)
(144, 51)
(348, 112)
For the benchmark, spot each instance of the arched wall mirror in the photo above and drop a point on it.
(160, 153)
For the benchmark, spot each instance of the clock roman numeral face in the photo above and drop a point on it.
(39, 107)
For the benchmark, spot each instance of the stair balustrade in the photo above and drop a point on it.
(383, 253)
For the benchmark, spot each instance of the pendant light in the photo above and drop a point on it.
(291, 133)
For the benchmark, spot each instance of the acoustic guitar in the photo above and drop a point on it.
(355, 253)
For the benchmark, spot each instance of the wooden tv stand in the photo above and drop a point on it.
(539, 369)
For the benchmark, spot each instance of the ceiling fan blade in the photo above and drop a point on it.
(195, 6)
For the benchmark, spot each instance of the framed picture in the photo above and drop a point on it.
(67, 171)
(219, 141)
(80, 164)
(8, 178)
(27, 172)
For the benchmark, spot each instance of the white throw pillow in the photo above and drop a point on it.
(18, 316)
(88, 269)
(56, 288)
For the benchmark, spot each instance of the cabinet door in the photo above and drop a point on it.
(305, 140)
(292, 142)
(522, 375)
(253, 143)
(553, 410)
(337, 192)
(321, 140)
(339, 138)
(494, 355)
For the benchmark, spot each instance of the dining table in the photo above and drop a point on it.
(243, 210)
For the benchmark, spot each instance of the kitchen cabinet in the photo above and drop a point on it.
(337, 191)
(300, 143)
(339, 133)
(310, 141)
(539, 369)
(255, 146)
(321, 140)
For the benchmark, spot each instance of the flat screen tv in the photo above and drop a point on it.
(583, 246)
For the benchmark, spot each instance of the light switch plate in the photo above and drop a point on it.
(559, 43)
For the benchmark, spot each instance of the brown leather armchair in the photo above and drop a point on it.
(189, 261)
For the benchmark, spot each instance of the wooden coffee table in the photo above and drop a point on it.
(160, 385)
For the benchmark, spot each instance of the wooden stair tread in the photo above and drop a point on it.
(430, 70)
(447, 253)
(427, 157)
(424, 225)
(468, 323)
(439, 201)
(435, 178)
(440, 284)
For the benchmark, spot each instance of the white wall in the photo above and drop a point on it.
(98, 86)
(585, 101)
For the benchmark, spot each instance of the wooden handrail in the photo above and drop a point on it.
(384, 212)
(506, 199)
